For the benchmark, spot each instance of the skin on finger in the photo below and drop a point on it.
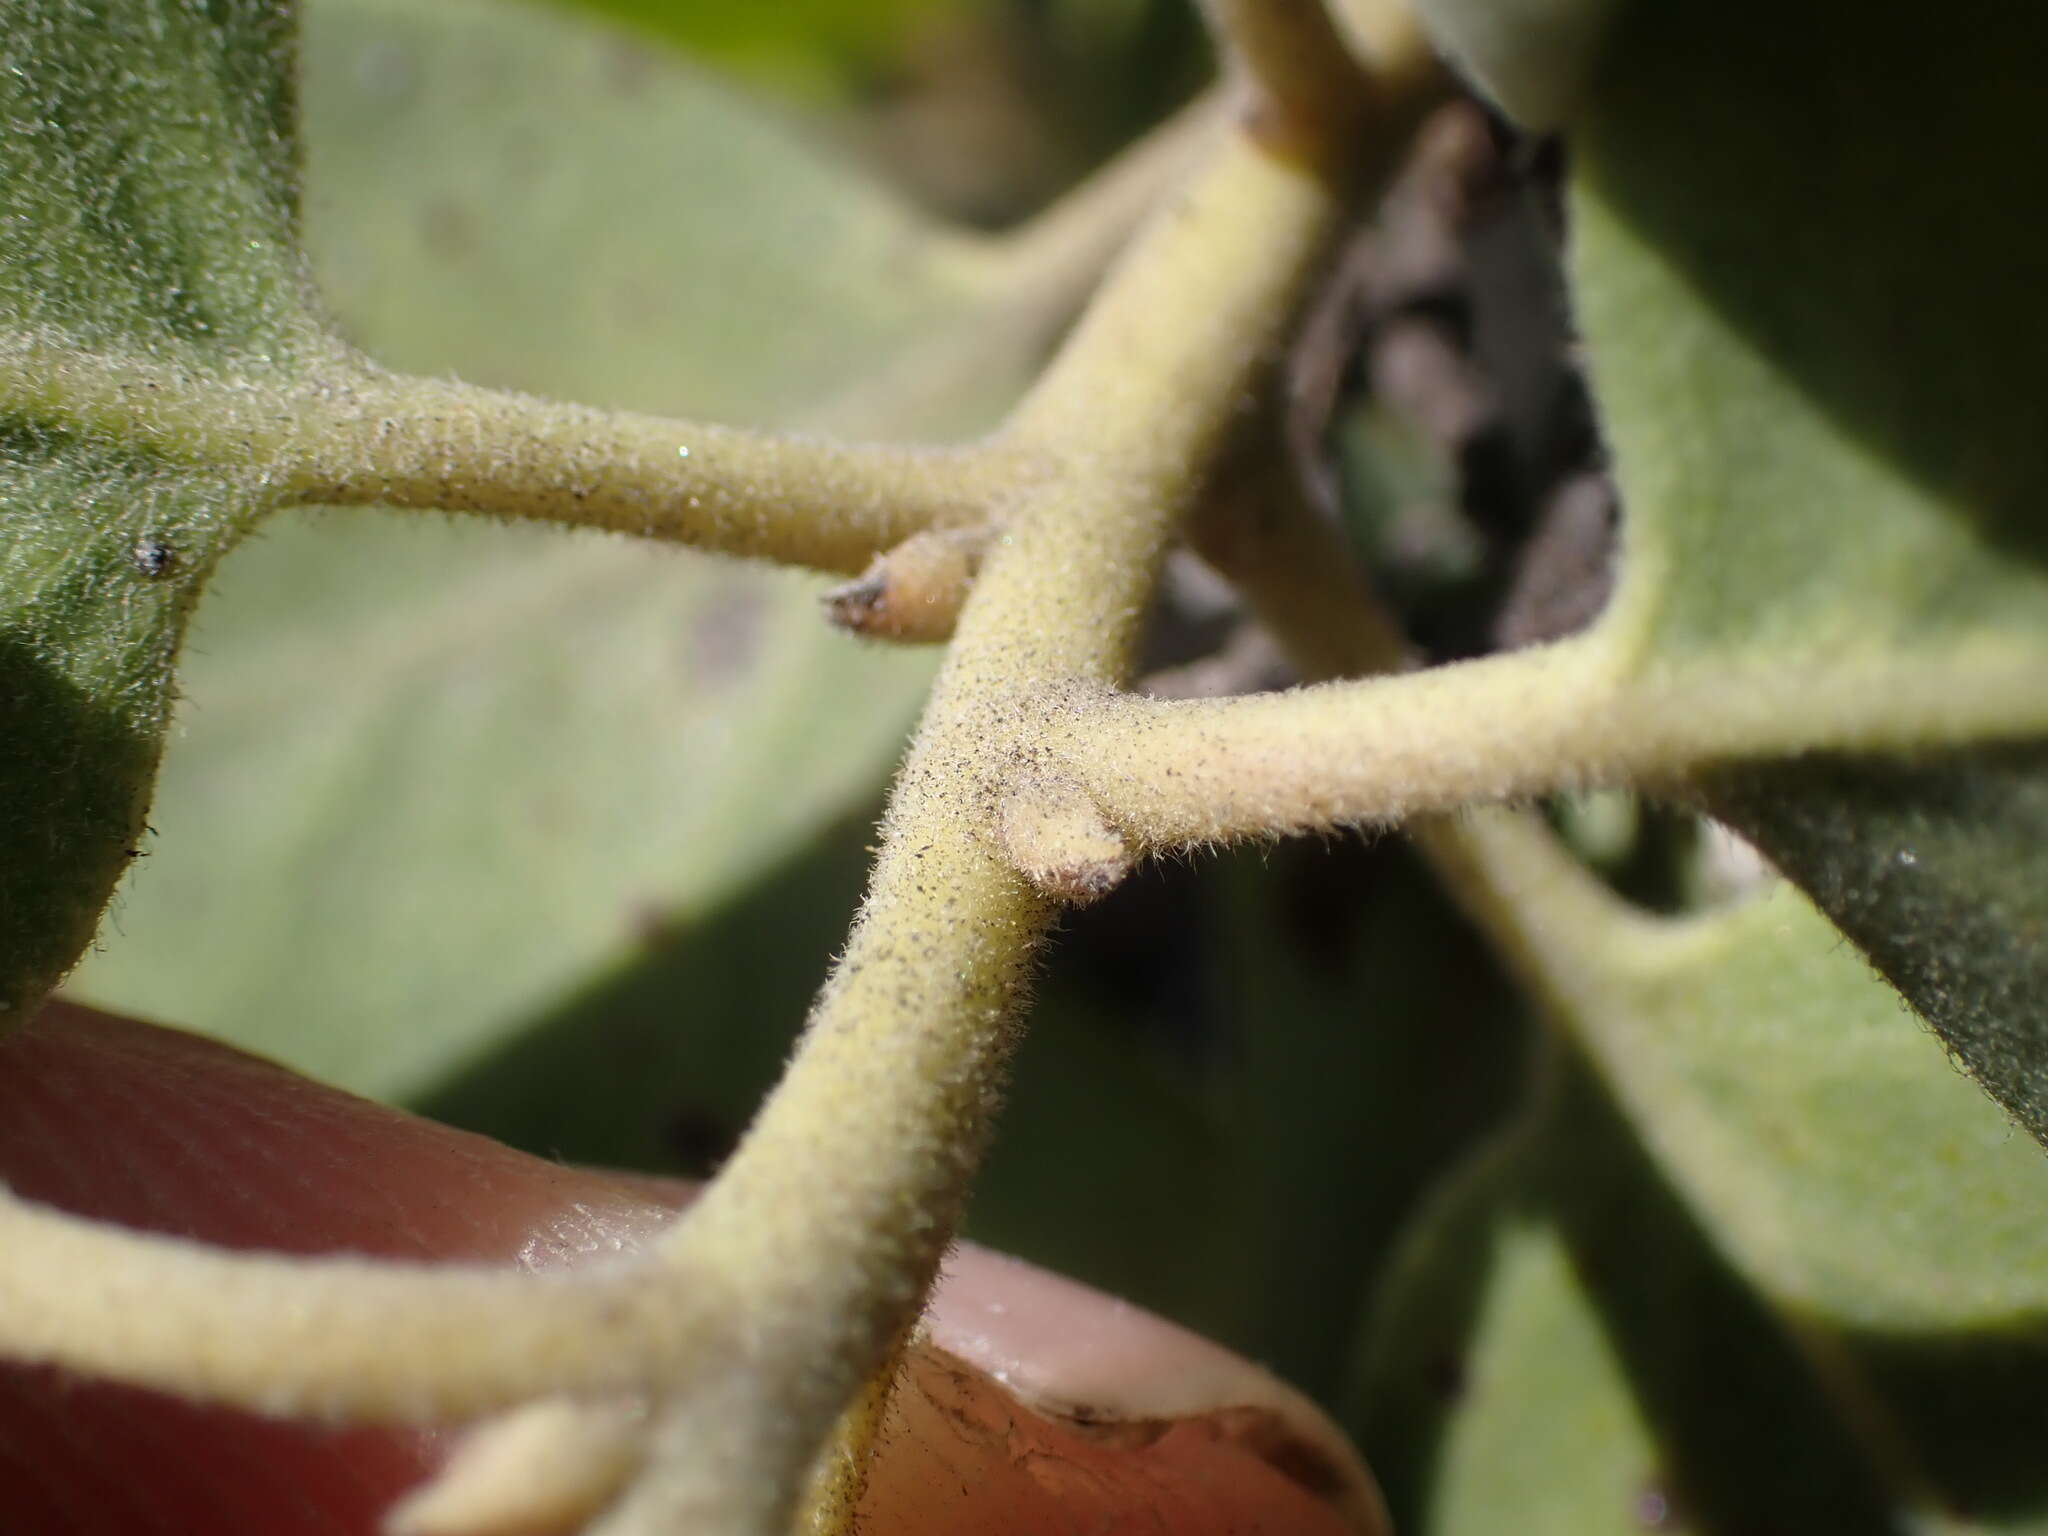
(1029, 1403)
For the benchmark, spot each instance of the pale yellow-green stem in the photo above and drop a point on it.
(839, 1476)
(327, 426)
(548, 1467)
(341, 431)
(348, 1339)
(1309, 591)
(1177, 773)
(409, 442)
(1384, 36)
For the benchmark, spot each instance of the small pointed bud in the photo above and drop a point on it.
(914, 592)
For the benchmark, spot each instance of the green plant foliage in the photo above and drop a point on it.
(1550, 1441)
(553, 204)
(532, 201)
(1813, 337)
(146, 200)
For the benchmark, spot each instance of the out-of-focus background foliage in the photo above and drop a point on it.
(553, 836)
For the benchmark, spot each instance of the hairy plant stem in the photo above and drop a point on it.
(1180, 773)
(440, 444)
(1312, 596)
(360, 436)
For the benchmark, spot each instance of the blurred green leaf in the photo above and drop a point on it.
(1492, 1400)
(1800, 261)
(435, 779)
(1561, 1349)
(659, 1062)
(1836, 1153)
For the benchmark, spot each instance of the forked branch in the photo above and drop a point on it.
(757, 1318)
(1188, 773)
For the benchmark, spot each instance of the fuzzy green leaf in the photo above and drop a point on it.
(1812, 337)
(146, 214)
(501, 760)
(150, 179)
(1800, 261)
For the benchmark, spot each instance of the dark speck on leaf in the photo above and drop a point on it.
(153, 557)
